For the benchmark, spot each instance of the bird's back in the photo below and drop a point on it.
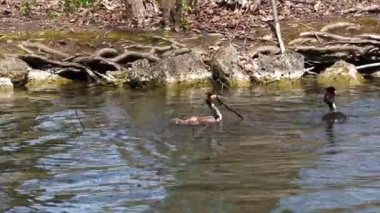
(334, 117)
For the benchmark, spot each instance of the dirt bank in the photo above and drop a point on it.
(17, 15)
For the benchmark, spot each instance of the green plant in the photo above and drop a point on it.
(70, 5)
(186, 9)
(53, 14)
(25, 8)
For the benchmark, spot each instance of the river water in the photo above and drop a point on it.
(86, 149)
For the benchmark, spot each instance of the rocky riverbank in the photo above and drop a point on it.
(147, 59)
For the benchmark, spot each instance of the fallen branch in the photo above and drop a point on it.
(45, 49)
(27, 50)
(176, 52)
(326, 35)
(328, 49)
(107, 52)
(366, 66)
(131, 56)
(309, 71)
(170, 40)
(338, 25)
(160, 50)
(70, 58)
(355, 41)
(302, 41)
(98, 63)
(36, 61)
(269, 49)
(369, 36)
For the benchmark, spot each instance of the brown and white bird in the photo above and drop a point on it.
(205, 120)
(332, 116)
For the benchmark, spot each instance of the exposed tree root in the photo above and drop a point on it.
(46, 49)
(338, 25)
(325, 35)
(269, 49)
(357, 49)
(131, 56)
(41, 62)
(107, 53)
(369, 36)
(94, 67)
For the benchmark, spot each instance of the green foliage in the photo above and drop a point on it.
(53, 14)
(71, 5)
(25, 8)
(186, 9)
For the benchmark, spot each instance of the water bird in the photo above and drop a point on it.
(334, 115)
(205, 120)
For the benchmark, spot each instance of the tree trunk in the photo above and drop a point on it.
(141, 11)
(172, 14)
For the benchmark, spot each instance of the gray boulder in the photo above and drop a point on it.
(15, 69)
(181, 69)
(283, 67)
(42, 80)
(6, 84)
(341, 74)
(225, 67)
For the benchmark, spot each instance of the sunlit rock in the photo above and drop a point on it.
(5, 83)
(6, 87)
(13, 68)
(340, 74)
(277, 68)
(183, 69)
(41, 80)
(376, 74)
(225, 67)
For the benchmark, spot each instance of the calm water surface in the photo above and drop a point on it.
(94, 150)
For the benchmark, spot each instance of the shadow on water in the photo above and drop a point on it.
(96, 150)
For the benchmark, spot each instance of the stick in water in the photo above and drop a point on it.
(227, 107)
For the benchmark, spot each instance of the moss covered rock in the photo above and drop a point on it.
(277, 68)
(13, 68)
(341, 74)
(186, 69)
(225, 67)
(5, 84)
(42, 80)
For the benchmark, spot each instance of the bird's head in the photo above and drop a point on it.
(329, 97)
(213, 98)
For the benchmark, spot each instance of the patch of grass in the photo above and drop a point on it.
(72, 5)
(186, 10)
(25, 8)
(53, 14)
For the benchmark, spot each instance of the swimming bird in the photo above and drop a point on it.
(205, 120)
(334, 115)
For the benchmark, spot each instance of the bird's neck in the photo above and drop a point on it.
(332, 106)
(216, 112)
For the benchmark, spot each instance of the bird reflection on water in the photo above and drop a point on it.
(333, 116)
